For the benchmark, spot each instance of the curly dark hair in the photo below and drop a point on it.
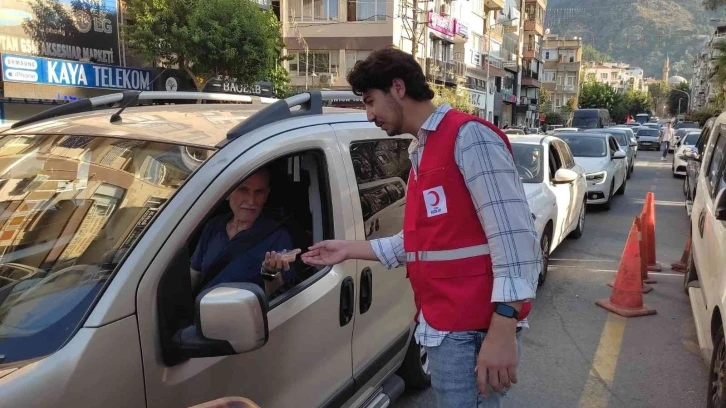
(383, 66)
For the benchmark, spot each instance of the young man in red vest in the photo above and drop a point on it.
(468, 241)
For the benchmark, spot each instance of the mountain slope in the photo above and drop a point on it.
(638, 32)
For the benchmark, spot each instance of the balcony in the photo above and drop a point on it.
(532, 51)
(568, 66)
(534, 26)
(541, 3)
(494, 4)
(446, 72)
(530, 79)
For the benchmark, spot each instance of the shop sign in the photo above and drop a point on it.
(45, 71)
(231, 86)
(477, 99)
(70, 29)
(461, 29)
(439, 23)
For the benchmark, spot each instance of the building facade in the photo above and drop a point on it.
(620, 76)
(705, 89)
(562, 70)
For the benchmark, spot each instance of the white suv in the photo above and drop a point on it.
(705, 278)
(107, 206)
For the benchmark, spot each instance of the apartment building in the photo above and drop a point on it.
(705, 89)
(619, 75)
(562, 65)
(532, 61)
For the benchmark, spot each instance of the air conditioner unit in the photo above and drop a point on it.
(444, 10)
(325, 79)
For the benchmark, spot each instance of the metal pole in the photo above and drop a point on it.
(489, 54)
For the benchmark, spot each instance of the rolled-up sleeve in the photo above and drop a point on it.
(390, 250)
(501, 203)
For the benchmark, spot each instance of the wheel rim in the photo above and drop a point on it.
(717, 375)
(545, 254)
(424, 359)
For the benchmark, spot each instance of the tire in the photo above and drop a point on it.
(544, 244)
(690, 275)
(609, 203)
(621, 190)
(415, 370)
(580, 229)
(716, 395)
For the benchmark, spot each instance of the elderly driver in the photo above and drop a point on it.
(261, 259)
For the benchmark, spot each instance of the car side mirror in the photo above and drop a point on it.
(720, 206)
(564, 176)
(230, 318)
(688, 155)
(619, 155)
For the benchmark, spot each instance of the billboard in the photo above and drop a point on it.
(77, 30)
(46, 71)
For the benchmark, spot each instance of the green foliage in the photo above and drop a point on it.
(636, 102)
(232, 38)
(570, 105)
(702, 115)
(596, 95)
(674, 96)
(590, 53)
(458, 98)
(555, 118)
(544, 105)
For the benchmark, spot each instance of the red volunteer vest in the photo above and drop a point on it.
(447, 253)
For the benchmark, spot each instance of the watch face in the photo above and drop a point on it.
(506, 310)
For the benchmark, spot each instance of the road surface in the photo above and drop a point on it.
(578, 355)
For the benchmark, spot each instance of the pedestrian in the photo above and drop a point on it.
(468, 241)
(666, 138)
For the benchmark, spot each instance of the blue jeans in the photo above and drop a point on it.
(452, 371)
(664, 146)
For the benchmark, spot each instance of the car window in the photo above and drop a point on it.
(528, 159)
(73, 206)
(690, 139)
(717, 160)
(703, 138)
(614, 145)
(381, 171)
(555, 161)
(647, 132)
(565, 154)
(585, 146)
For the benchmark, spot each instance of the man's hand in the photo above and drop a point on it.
(326, 253)
(497, 361)
(275, 262)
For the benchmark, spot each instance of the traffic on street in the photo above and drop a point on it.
(363, 204)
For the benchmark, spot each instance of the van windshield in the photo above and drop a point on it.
(585, 122)
(71, 207)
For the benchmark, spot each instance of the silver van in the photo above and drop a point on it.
(106, 205)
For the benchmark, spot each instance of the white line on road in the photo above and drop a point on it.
(610, 270)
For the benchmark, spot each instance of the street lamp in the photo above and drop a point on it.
(489, 54)
(688, 100)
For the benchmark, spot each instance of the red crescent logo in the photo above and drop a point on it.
(436, 198)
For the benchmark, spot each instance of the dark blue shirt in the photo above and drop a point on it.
(246, 266)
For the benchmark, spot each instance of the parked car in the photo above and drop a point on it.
(143, 187)
(556, 190)
(679, 134)
(652, 125)
(627, 144)
(630, 131)
(683, 147)
(604, 163)
(707, 259)
(589, 118)
(535, 131)
(693, 167)
(648, 138)
(513, 131)
(686, 125)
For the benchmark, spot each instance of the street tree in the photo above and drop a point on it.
(458, 98)
(555, 118)
(674, 96)
(207, 38)
(544, 104)
(636, 102)
(596, 95)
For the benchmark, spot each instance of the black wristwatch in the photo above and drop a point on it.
(507, 311)
(268, 275)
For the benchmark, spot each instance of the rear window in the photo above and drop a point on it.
(585, 146)
(648, 132)
(71, 208)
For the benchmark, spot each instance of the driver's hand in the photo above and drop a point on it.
(276, 262)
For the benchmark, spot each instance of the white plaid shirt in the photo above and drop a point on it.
(500, 201)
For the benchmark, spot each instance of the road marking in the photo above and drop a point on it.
(554, 266)
(602, 372)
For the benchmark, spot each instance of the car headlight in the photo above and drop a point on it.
(597, 178)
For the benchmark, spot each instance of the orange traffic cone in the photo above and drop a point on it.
(648, 221)
(626, 298)
(641, 241)
(681, 265)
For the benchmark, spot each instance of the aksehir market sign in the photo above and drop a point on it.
(45, 71)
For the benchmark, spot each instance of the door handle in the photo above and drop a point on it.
(347, 302)
(366, 290)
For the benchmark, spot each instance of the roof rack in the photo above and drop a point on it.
(87, 105)
(310, 103)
